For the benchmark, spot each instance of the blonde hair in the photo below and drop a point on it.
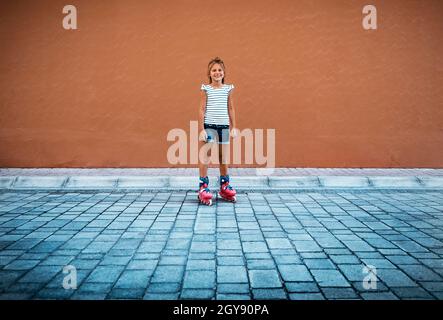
(211, 63)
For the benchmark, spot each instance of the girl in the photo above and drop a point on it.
(216, 115)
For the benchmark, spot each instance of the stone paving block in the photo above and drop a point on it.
(94, 247)
(24, 244)
(197, 294)
(4, 260)
(353, 272)
(230, 261)
(306, 296)
(301, 287)
(264, 279)
(78, 295)
(432, 286)
(344, 259)
(161, 296)
(233, 288)
(340, 293)
(133, 279)
(203, 247)
(201, 256)
(164, 287)
(255, 246)
(21, 264)
(294, 273)
(286, 259)
(358, 245)
(424, 255)
(151, 247)
(412, 293)
(51, 293)
(126, 293)
(410, 246)
(228, 244)
(200, 265)
(8, 277)
(279, 243)
(168, 274)
(420, 273)
(329, 242)
(231, 296)
(269, 294)
(428, 242)
(260, 264)
(84, 264)
(306, 246)
(105, 274)
(26, 287)
(433, 263)
(231, 274)
(378, 263)
(395, 278)
(57, 260)
(41, 274)
(380, 243)
(319, 264)
(313, 255)
(199, 280)
(109, 260)
(330, 278)
(173, 260)
(379, 296)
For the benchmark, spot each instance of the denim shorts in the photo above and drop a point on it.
(217, 133)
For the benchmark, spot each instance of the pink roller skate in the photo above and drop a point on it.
(204, 195)
(226, 191)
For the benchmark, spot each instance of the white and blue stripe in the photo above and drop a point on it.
(217, 104)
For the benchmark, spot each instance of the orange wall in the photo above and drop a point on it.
(107, 94)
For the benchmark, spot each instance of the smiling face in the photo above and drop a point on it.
(216, 73)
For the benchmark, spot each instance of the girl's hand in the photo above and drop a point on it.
(203, 136)
(234, 132)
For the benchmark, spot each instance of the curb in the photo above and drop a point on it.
(241, 183)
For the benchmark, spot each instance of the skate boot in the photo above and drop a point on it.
(204, 195)
(226, 191)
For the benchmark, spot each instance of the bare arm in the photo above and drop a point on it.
(231, 110)
(201, 111)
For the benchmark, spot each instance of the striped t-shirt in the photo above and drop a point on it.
(217, 104)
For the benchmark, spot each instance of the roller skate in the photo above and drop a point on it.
(226, 191)
(204, 195)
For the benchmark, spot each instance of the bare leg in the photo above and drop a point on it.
(203, 165)
(223, 158)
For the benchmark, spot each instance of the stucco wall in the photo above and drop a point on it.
(108, 93)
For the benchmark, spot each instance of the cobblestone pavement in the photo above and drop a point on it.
(164, 245)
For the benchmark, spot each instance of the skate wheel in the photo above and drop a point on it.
(210, 202)
(234, 199)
